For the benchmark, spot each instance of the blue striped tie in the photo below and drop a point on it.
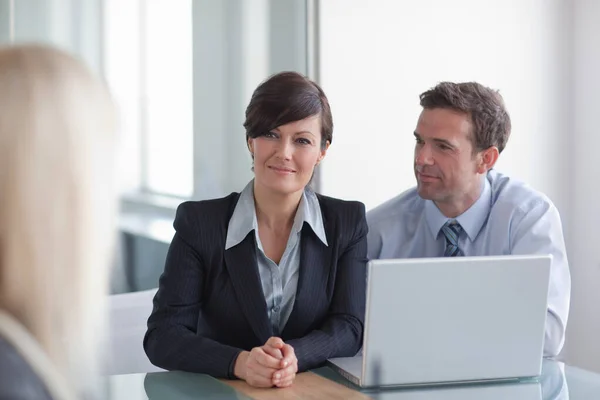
(452, 230)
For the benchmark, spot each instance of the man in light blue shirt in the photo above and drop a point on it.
(462, 207)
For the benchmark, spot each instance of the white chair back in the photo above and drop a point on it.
(128, 314)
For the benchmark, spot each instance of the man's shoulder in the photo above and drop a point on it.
(509, 192)
(406, 203)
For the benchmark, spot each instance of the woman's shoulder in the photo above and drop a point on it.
(335, 205)
(347, 216)
(211, 209)
(17, 378)
(210, 205)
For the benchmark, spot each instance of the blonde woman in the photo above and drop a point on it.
(56, 221)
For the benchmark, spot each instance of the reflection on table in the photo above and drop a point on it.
(326, 383)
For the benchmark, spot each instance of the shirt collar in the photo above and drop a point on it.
(471, 220)
(243, 220)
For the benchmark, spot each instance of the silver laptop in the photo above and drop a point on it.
(455, 319)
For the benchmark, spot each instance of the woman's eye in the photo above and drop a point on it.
(304, 141)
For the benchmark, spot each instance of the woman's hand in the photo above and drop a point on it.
(288, 364)
(256, 367)
(273, 364)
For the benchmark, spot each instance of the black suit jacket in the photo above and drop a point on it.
(210, 305)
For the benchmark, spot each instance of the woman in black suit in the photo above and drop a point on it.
(264, 283)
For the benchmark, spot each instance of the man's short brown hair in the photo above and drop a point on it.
(484, 106)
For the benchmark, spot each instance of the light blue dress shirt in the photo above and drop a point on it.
(279, 282)
(508, 218)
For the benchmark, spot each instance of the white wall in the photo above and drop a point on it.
(377, 56)
(583, 344)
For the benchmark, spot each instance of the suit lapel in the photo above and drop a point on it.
(242, 266)
(312, 280)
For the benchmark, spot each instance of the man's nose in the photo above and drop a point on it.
(423, 155)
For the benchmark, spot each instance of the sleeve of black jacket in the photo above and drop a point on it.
(341, 333)
(172, 342)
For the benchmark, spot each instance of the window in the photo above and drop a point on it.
(148, 65)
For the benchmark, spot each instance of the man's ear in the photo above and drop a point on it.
(487, 159)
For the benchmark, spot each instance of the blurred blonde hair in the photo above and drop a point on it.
(57, 202)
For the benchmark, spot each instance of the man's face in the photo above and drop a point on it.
(446, 168)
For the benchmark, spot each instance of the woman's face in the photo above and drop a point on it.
(285, 157)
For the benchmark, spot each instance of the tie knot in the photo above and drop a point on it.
(451, 230)
(453, 226)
